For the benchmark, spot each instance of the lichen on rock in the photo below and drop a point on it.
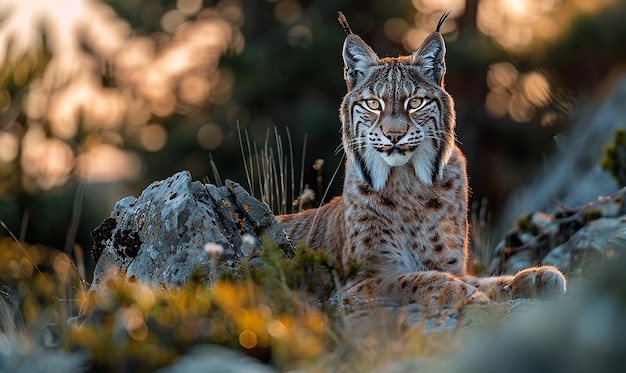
(574, 240)
(159, 238)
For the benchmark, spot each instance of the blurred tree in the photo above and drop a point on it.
(85, 99)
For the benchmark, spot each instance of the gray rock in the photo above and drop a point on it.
(160, 237)
(601, 239)
(572, 240)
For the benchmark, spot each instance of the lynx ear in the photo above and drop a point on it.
(430, 56)
(358, 57)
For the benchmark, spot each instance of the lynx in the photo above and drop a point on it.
(403, 212)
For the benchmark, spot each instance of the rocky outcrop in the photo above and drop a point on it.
(178, 227)
(574, 240)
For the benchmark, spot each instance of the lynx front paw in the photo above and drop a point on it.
(456, 293)
(544, 282)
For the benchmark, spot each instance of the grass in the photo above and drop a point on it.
(272, 314)
(480, 233)
(271, 175)
(270, 172)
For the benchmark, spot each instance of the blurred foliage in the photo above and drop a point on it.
(614, 159)
(128, 326)
(265, 311)
(37, 279)
(131, 326)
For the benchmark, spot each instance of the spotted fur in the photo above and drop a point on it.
(403, 212)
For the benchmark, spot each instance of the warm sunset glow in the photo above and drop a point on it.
(427, 6)
(189, 7)
(171, 20)
(46, 162)
(94, 78)
(94, 164)
(229, 10)
(515, 94)
(395, 28)
(513, 24)
(425, 21)
(516, 24)
(536, 88)
(86, 41)
(287, 11)
(9, 146)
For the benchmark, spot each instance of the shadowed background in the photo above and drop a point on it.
(100, 98)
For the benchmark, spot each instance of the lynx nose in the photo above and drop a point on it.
(394, 136)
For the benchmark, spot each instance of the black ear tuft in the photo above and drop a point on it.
(344, 23)
(441, 20)
(358, 57)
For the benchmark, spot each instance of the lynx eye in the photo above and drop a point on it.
(373, 104)
(415, 103)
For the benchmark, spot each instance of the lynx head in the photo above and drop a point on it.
(396, 112)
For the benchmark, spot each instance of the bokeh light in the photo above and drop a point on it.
(9, 146)
(518, 24)
(171, 20)
(189, 7)
(288, 11)
(102, 83)
(300, 36)
(426, 18)
(518, 95)
(153, 137)
(395, 29)
(45, 162)
(94, 164)
(94, 76)
(117, 81)
(210, 136)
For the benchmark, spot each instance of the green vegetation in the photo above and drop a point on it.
(131, 325)
(614, 159)
(591, 214)
(523, 223)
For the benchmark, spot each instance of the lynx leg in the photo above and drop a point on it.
(543, 282)
(497, 288)
(429, 288)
